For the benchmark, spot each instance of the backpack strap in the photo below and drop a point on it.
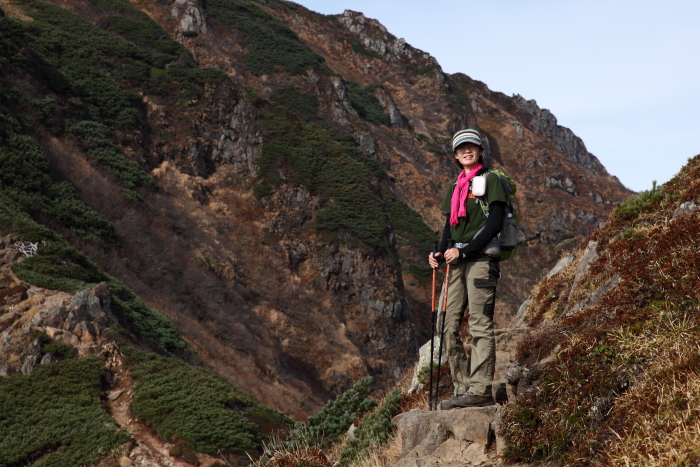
(506, 188)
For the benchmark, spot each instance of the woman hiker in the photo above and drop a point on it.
(474, 271)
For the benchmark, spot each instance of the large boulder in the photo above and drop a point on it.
(448, 437)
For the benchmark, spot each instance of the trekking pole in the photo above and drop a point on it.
(450, 244)
(431, 402)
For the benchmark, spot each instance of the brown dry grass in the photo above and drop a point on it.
(13, 11)
(624, 388)
(384, 456)
(662, 407)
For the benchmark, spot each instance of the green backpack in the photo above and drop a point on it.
(508, 237)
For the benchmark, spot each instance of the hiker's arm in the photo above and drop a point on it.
(494, 224)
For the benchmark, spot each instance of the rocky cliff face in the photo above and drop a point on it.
(232, 247)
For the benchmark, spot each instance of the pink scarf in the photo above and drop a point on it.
(459, 196)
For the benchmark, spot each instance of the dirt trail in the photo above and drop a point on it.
(148, 450)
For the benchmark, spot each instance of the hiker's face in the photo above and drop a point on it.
(468, 155)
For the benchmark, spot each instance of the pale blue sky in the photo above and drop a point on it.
(623, 75)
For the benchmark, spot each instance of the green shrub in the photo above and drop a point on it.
(271, 43)
(331, 165)
(420, 271)
(457, 91)
(366, 104)
(408, 224)
(327, 164)
(374, 430)
(337, 415)
(25, 179)
(59, 350)
(275, 4)
(107, 154)
(631, 207)
(92, 62)
(11, 38)
(45, 106)
(196, 406)
(54, 414)
(304, 106)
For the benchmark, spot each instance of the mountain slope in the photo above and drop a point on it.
(277, 208)
(609, 374)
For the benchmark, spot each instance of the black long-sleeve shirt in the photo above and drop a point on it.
(493, 226)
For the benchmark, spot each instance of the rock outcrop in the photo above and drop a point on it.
(448, 438)
(81, 321)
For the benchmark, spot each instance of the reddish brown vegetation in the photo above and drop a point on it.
(580, 408)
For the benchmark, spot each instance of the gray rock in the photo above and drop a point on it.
(518, 128)
(513, 374)
(590, 256)
(5, 370)
(342, 93)
(595, 297)
(561, 264)
(114, 395)
(597, 197)
(192, 19)
(424, 360)
(467, 424)
(29, 363)
(430, 441)
(48, 358)
(520, 315)
(367, 144)
(399, 47)
(375, 45)
(685, 209)
(507, 341)
(561, 182)
(388, 103)
(564, 140)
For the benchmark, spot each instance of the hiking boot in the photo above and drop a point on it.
(450, 403)
(469, 399)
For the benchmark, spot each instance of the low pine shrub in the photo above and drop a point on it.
(330, 164)
(366, 104)
(26, 180)
(304, 106)
(271, 43)
(631, 207)
(337, 415)
(101, 147)
(54, 414)
(408, 224)
(196, 408)
(59, 350)
(374, 430)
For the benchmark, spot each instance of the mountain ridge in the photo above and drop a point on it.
(202, 137)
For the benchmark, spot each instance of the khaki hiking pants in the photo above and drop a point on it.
(473, 284)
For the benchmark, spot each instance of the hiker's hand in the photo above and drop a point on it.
(451, 255)
(434, 260)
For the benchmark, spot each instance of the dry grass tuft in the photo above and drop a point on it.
(384, 456)
(310, 458)
(661, 409)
